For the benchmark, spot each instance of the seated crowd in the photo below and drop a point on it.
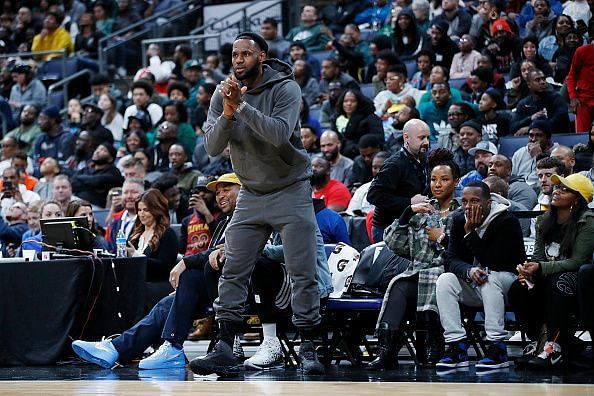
(404, 128)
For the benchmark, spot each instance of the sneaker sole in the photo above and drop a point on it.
(313, 371)
(255, 367)
(87, 357)
(492, 366)
(452, 365)
(171, 365)
(222, 371)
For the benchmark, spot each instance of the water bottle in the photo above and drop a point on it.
(121, 244)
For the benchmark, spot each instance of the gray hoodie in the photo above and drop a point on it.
(266, 150)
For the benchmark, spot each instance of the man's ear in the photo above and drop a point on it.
(263, 56)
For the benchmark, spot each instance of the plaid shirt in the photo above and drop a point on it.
(411, 241)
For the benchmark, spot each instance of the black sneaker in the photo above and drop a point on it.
(528, 354)
(309, 359)
(456, 355)
(550, 357)
(220, 361)
(495, 358)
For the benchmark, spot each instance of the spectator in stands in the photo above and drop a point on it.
(219, 165)
(418, 238)
(564, 55)
(14, 191)
(335, 194)
(205, 93)
(504, 45)
(331, 72)
(9, 147)
(74, 113)
(174, 313)
(80, 208)
(92, 183)
(518, 88)
(584, 152)
(545, 168)
(566, 155)
(375, 15)
(435, 112)
(550, 44)
(337, 15)
(397, 86)
(141, 93)
(100, 85)
(355, 118)
(124, 219)
(309, 85)
(457, 19)
(469, 136)
(26, 26)
(298, 51)
(542, 24)
(175, 113)
(441, 44)
(197, 228)
(91, 122)
(134, 140)
(178, 202)
(133, 168)
(62, 191)
(384, 59)
(495, 122)
(52, 36)
(20, 161)
(408, 39)
(485, 246)
(403, 180)
(86, 43)
(193, 78)
(519, 190)
(458, 113)
(483, 152)
(540, 103)
(425, 62)
(49, 169)
(539, 142)
(310, 31)
(28, 130)
(27, 91)
(178, 91)
(480, 80)
(34, 227)
(530, 52)
(123, 55)
(54, 141)
(182, 168)
(104, 22)
(328, 110)
(579, 11)
(361, 171)
(330, 223)
(352, 59)
(309, 139)
(181, 54)
(12, 230)
(84, 147)
(499, 186)
(466, 60)
(112, 120)
(306, 118)
(166, 137)
(331, 148)
(277, 46)
(359, 206)
(152, 237)
(564, 243)
(580, 86)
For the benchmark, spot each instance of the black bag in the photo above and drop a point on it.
(377, 266)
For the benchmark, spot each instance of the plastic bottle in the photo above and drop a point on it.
(121, 244)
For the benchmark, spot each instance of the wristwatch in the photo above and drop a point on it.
(240, 107)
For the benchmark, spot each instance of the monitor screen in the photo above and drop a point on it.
(67, 233)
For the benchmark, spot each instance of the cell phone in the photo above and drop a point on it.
(116, 192)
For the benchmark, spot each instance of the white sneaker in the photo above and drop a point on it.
(517, 337)
(269, 356)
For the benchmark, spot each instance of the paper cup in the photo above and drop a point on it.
(29, 254)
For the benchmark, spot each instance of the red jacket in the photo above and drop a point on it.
(580, 80)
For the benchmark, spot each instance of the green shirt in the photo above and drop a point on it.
(25, 137)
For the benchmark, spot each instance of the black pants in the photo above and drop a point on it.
(552, 301)
(586, 295)
(402, 301)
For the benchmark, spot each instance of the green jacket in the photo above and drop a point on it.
(582, 248)
(311, 36)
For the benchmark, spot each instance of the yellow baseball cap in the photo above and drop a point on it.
(396, 107)
(578, 183)
(226, 178)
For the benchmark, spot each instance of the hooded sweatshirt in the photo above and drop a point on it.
(264, 138)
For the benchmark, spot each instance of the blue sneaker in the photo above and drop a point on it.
(495, 358)
(101, 353)
(455, 356)
(166, 357)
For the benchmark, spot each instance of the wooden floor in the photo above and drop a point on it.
(276, 388)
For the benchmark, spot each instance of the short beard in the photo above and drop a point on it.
(317, 179)
(331, 156)
(249, 73)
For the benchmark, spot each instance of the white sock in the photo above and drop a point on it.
(269, 330)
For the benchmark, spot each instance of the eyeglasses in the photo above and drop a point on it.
(457, 114)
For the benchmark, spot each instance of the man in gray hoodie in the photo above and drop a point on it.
(256, 113)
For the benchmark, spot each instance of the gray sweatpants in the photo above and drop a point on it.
(492, 296)
(290, 212)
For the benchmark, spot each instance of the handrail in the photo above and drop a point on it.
(242, 10)
(191, 38)
(65, 82)
(4, 124)
(33, 54)
(142, 22)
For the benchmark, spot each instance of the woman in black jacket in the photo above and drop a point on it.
(152, 237)
(355, 117)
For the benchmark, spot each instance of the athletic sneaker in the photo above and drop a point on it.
(456, 355)
(238, 349)
(528, 354)
(102, 353)
(166, 357)
(220, 361)
(269, 356)
(495, 358)
(309, 359)
(550, 356)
